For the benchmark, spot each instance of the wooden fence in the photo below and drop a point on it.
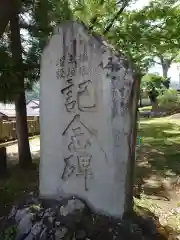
(8, 129)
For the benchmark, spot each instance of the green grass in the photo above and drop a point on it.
(18, 183)
(162, 138)
(34, 137)
(158, 157)
(145, 108)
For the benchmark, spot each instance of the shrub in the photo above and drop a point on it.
(169, 100)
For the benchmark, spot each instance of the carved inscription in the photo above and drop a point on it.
(78, 97)
(112, 65)
(117, 137)
(83, 97)
(79, 160)
(86, 96)
(60, 63)
(83, 57)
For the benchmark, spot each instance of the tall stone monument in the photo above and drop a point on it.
(85, 121)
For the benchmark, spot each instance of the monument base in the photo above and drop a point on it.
(71, 219)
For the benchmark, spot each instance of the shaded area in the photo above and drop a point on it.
(16, 185)
(71, 218)
(158, 159)
(18, 182)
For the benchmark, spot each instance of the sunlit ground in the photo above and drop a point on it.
(158, 169)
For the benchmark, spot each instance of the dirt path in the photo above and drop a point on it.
(12, 151)
(175, 116)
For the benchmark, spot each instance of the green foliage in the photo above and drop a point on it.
(153, 81)
(169, 99)
(154, 85)
(37, 19)
(34, 93)
(162, 36)
(150, 81)
(9, 233)
(141, 35)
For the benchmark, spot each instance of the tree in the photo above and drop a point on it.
(19, 67)
(20, 103)
(153, 85)
(162, 38)
(33, 93)
(169, 100)
(7, 9)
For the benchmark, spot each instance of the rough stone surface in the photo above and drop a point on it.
(44, 223)
(86, 121)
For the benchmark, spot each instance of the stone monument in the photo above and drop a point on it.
(85, 121)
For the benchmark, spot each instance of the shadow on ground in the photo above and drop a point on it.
(158, 158)
(13, 157)
(17, 183)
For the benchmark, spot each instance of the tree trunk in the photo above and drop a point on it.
(7, 9)
(133, 106)
(154, 106)
(165, 69)
(3, 162)
(165, 63)
(22, 131)
(20, 101)
(140, 100)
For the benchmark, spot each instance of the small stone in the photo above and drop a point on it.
(72, 206)
(13, 212)
(24, 225)
(57, 224)
(63, 211)
(21, 213)
(48, 213)
(60, 233)
(43, 235)
(29, 237)
(36, 229)
(80, 234)
(51, 219)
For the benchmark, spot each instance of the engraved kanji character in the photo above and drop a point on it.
(71, 58)
(83, 70)
(86, 97)
(69, 102)
(84, 162)
(114, 66)
(71, 72)
(70, 166)
(62, 61)
(79, 142)
(60, 73)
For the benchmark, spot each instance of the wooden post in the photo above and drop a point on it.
(3, 162)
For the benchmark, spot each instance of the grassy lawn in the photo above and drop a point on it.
(158, 168)
(16, 185)
(160, 145)
(146, 108)
(157, 171)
